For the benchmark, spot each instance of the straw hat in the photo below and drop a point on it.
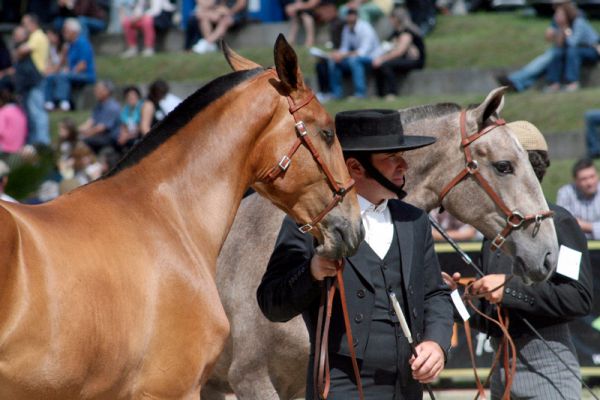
(528, 135)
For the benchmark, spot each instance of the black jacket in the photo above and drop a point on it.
(555, 301)
(287, 288)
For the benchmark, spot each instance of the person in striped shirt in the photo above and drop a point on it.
(582, 199)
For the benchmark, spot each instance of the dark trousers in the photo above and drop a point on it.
(192, 32)
(386, 76)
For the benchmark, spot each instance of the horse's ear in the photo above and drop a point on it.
(286, 64)
(491, 106)
(237, 62)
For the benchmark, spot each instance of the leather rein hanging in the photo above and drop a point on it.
(514, 219)
(303, 139)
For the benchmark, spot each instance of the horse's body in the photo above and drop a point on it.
(265, 360)
(109, 292)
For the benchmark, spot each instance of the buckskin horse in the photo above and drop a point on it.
(109, 292)
(265, 360)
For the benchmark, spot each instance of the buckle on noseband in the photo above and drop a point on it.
(306, 228)
(520, 219)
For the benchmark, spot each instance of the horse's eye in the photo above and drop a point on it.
(503, 167)
(328, 135)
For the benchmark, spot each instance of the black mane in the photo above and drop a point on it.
(180, 116)
(417, 113)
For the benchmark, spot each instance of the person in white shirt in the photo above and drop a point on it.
(360, 45)
(397, 256)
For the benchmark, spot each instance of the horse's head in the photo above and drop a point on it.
(508, 208)
(497, 182)
(298, 161)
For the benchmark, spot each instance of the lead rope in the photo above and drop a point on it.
(321, 376)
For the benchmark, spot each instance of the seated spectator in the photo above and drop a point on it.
(215, 18)
(130, 117)
(368, 10)
(581, 198)
(37, 48)
(80, 68)
(13, 123)
(360, 45)
(456, 229)
(57, 52)
(4, 171)
(559, 33)
(301, 11)
(152, 112)
(68, 136)
(91, 16)
(142, 15)
(6, 67)
(103, 127)
(85, 165)
(406, 52)
(579, 45)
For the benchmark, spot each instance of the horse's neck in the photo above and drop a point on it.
(432, 167)
(196, 180)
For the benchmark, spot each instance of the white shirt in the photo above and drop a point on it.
(379, 229)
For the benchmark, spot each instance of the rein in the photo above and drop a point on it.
(514, 219)
(303, 139)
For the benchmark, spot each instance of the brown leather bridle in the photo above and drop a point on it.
(303, 139)
(514, 219)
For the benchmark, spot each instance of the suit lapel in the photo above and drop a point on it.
(404, 230)
(354, 261)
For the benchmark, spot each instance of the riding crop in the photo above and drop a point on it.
(407, 334)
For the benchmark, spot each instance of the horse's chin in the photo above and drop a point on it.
(340, 238)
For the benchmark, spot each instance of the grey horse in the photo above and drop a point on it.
(265, 360)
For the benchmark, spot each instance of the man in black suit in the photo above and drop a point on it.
(396, 256)
(548, 306)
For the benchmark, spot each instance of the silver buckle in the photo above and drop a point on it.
(305, 228)
(284, 163)
(301, 128)
(517, 214)
(472, 166)
(495, 246)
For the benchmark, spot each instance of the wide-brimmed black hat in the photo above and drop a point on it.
(375, 131)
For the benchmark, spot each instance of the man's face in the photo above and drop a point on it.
(391, 165)
(351, 20)
(586, 181)
(101, 92)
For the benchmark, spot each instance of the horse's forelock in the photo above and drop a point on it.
(418, 113)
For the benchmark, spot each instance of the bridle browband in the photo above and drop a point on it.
(303, 139)
(514, 219)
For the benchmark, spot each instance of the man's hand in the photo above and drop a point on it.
(429, 363)
(487, 283)
(451, 281)
(321, 267)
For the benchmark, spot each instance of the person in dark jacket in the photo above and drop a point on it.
(397, 256)
(548, 306)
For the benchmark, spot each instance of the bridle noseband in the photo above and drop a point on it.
(514, 219)
(303, 139)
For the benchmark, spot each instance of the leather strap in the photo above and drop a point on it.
(321, 376)
(304, 139)
(514, 219)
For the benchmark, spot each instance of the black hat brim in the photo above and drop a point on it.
(385, 143)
